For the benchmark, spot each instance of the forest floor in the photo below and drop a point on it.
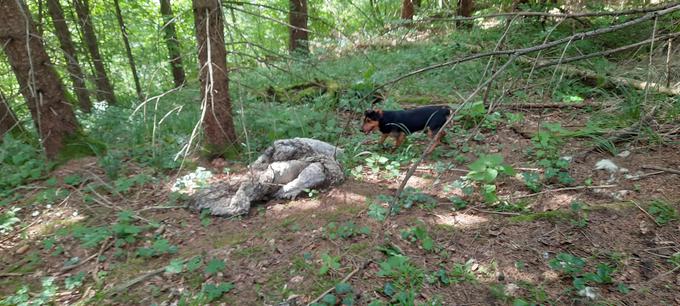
(558, 231)
(497, 257)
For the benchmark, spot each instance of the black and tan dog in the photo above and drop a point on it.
(398, 124)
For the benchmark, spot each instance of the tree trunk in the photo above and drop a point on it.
(75, 72)
(465, 9)
(299, 35)
(54, 118)
(128, 50)
(8, 120)
(104, 87)
(212, 57)
(174, 50)
(407, 10)
(39, 23)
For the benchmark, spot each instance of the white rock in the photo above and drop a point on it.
(624, 170)
(567, 158)
(620, 195)
(35, 213)
(511, 289)
(624, 154)
(588, 292)
(606, 165)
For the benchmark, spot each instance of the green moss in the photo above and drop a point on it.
(359, 248)
(229, 152)
(419, 100)
(553, 215)
(250, 252)
(222, 240)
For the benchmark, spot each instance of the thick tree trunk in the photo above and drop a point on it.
(465, 9)
(128, 51)
(174, 50)
(75, 72)
(299, 35)
(40, 85)
(8, 120)
(104, 87)
(212, 57)
(407, 10)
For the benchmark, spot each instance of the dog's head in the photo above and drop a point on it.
(371, 120)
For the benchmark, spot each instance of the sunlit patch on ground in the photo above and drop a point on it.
(459, 220)
(557, 201)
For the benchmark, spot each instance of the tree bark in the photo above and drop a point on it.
(299, 35)
(128, 51)
(212, 57)
(8, 120)
(465, 9)
(41, 15)
(54, 118)
(68, 48)
(104, 87)
(172, 43)
(407, 10)
(174, 50)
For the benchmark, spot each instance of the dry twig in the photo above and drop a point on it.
(345, 279)
(646, 213)
(674, 171)
(563, 189)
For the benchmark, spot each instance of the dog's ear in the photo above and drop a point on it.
(374, 114)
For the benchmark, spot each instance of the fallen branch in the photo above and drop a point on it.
(605, 52)
(590, 75)
(619, 135)
(104, 247)
(342, 281)
(644, 175)
(522, 51)
(514, 53)
(545, 14)
(504, 213)
(661, 169)
(11, 274)
(549, 105)
(136, 280)
(646, 213)
(647, 284)
(12, 235)
(563, 189)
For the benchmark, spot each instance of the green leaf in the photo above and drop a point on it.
(72, 180)
(428, 243)
(329, 299)
(194, 263)
(74, 281)
(579, 283)
(342, 288)
(214, 265)
(489, 175)
(176, 266)
(520, 302)
(389, 289)
(214, 292)
(377, 212)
